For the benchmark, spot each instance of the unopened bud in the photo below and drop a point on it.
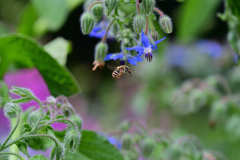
(72, 139)
(11, 110)
(33, 118)
(97, 11)
(77, 120)
(57, 151)
(124, 126)
(26, 94)
(166, 24)
(127, 141)
(87, 22)
(147, 147)
(100, 51)
(148, 6)
(139, 23)
(110, 5)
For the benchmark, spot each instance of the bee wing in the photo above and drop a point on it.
(111, 67)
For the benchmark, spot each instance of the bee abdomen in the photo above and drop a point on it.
(115, 73)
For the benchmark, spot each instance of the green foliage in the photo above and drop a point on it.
(4, 98)
(194, 18)
(95, 147)
(38, 157)
(22, 146)
(21, 50)
(3, 29)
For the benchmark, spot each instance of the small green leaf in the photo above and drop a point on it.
(26, 128)
(49, 128)
(22, 146)
(59, 116)
(38, 157)
(4, 94)
(95, 147)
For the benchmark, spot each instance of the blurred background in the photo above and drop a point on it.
(190, 88)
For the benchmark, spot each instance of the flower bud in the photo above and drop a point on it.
(124, 126)
(73, 139)
(147, 147)
(77, 120)
(87, 22)
(97, 11)
(139, 23)
(11, 110)
(166, 24)
(148, 6)
(57, 151)
(110, 5)
(101, 51)
(26, 95)
(33, 117)
(127, 141)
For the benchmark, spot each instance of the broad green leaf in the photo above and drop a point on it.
(95, 147)
(38, 157)
(3, 29)
(53, 11)
(195, 17)
(19, 49)
(22, 146)
(4, 94)
(58, 49)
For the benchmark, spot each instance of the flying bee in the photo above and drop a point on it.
(120, 70)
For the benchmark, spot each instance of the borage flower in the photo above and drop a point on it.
(147, 47)
(131, 59)
(100, 29)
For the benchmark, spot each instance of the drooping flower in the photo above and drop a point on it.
(147, 47)
(131, 59)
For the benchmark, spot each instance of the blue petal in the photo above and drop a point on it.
(144, 40)
(138, 59)
(140, 53)
(132, 61)
(109, 57)
(137, 48)
(118, 56)
(156, 42)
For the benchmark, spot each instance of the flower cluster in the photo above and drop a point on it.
(105, 20)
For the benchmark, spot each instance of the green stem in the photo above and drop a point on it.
(137, 4)
(159, 12)
(14, 129)
(93, 5)
(50, 109)
(41, 114)
(4, 153)
(105, 36)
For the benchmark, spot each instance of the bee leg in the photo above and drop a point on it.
(130, 74)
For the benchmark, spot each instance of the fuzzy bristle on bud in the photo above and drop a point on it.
(26, 95)
(58, 151)
(72, 138)
(148, 6)
(166, 24)
(11, 110)
(100, 51)
(139, 23)
(97, 11)
(77, 120)
(127, 141)
(87, 23)
(147, 147)
(33, 117)
(110, 5)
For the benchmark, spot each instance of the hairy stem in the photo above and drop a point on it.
(50, 104)
(41, 114)
(159, 12)
(64, 107)
(14, 129)
(137, 4)
(9, 153)
(93, 5)
(105, 36)
(51, 112)
(146, 30)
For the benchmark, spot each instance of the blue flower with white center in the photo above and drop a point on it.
(131, 59)
(147, 47)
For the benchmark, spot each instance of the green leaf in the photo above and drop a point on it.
(4, 94)
(95, 147)
(38, 157)
(54, 12)
(59, 116)
(58, 49)
(26, 128)
(22, 146)
(19, 49)
(193, 19)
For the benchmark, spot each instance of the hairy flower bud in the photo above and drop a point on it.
(110, 5)
(33, 117)
(57, 151)
(100, 51)
(87, 22)
(139, 23)
(97, 11)
(148, 6)
(11, 110)
(166, 24)
(127, 141)
(26, 95)
(147, 147)
(72, 138)
(77, 120)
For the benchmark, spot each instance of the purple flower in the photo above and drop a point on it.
(147, 47)
(131, 59)
(100, 29)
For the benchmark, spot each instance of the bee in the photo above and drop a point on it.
(120, 70)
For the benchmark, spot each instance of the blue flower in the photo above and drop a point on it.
(147, 47)
(100, 29)
(131, 59)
